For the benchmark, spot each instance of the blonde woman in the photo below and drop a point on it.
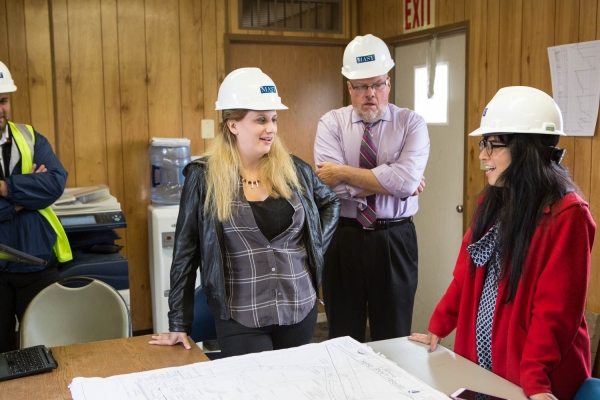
(257, 220)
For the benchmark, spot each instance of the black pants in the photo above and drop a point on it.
(236, 339)
(370, 273)
(16, 292)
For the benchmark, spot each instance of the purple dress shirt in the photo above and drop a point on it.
(402, 144)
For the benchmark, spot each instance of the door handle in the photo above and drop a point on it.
(459, 208)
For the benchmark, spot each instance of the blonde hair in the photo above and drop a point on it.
(276, 169)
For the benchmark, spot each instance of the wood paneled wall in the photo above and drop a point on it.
(99, 78)
(508, 44)
(308, 81)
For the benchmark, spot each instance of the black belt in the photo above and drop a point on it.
(379, 223)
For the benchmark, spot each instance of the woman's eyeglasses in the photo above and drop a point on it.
(489, 146)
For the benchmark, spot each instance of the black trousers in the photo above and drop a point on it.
(236, 339)
(16, 292)
(370, 273)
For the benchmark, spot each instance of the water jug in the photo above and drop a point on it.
(168, 157)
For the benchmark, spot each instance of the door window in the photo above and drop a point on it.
(434, 109)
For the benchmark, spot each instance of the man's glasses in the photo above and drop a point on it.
(489, 146)
(378, 87)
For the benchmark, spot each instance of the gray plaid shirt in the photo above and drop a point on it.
(267, 283)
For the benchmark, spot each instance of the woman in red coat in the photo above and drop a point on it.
(520, 282)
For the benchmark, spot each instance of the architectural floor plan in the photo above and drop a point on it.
(338, 369)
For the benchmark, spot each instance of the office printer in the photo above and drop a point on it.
(89, 216)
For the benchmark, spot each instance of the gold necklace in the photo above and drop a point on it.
(252, 184)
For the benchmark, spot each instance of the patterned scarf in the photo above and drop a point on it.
(485, 252)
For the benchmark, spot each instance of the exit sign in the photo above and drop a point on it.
(418, 14)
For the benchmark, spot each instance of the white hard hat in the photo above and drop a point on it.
(248, 89)
(7, 85)
(521, 109)
(366, 57)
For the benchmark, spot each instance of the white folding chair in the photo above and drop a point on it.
(60, 315)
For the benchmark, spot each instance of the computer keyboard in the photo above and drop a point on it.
(27, 361)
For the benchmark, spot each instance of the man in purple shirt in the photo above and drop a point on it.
(373, 155)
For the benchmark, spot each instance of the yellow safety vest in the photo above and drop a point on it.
(26, 148)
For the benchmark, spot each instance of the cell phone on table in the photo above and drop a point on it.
(468, 394)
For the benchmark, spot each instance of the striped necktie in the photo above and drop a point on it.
(367, 160)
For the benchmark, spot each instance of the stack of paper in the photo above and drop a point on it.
(86, 200)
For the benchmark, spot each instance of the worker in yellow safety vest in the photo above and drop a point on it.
(31, 179)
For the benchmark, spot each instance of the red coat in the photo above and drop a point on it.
(540, 341)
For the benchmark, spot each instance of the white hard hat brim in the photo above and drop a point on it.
(256, 106)
(486, 131)
(365, 74)
(8, 89)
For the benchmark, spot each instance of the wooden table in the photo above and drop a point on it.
(98, 359)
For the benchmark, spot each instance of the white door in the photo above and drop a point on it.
(439, 222)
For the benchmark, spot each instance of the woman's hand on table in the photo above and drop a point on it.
(543, 396)
(429, 338)
(171, 338)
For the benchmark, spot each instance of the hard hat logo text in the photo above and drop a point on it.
(364, 59)
(268, 89)
(1, 76)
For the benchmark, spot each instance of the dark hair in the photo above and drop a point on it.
(529, 184)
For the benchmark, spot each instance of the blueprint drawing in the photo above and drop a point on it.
(338, 369)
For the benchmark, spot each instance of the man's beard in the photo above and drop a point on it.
(370, 116)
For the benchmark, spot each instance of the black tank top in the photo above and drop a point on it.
(272, 216)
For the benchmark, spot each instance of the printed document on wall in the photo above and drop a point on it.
(575, 70)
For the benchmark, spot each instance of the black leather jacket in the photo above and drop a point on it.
(199, 242)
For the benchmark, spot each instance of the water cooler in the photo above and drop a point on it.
(161, 226)
(168, 157)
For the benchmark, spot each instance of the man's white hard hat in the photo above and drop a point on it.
(366, 57)
(7, 85)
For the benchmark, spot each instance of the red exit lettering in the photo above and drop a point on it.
(417, 14)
